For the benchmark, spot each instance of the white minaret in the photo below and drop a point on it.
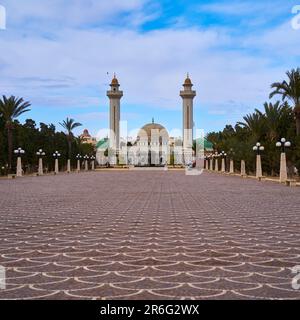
(188, 96)
(114, 95)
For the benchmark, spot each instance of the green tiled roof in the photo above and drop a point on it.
(207, 144)
(103, 144)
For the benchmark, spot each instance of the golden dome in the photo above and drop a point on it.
(188, 81)
(115, 81)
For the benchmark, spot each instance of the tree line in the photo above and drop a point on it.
(32, 137)
(275, 120)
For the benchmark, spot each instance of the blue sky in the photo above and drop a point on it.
(56, 53)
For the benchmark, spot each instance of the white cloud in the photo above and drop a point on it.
(230, 72)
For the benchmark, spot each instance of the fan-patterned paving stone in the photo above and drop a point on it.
(148, 235)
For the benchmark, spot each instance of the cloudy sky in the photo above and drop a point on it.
(57, 53)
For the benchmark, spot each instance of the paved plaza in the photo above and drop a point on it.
(148, 235)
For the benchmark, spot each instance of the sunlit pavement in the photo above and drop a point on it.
(148, 235)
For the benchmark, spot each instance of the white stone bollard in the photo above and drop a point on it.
(86, 165)
(223, 165)
(231, 169)
(56, 170)
(78, 165)
(19, 167)
(258, 167)
(211, 164)
(283, 168)
(216, 165)
(69, 166)
(243, 168)
(41, 171)
(93, 165)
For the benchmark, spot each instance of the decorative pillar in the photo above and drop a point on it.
(283, 168)
(69, 166)
(93, 165)
(258, 167)
(41, 171)
(216, 164)
(243, 168)
(78, 165)
(86, 165)
(19, 167)
(211, 164)
(56, 170)
(223, 165)
(231, 169)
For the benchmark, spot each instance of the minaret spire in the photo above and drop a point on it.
(114, 95)
(188, 95)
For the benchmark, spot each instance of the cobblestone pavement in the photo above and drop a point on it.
(148, 235)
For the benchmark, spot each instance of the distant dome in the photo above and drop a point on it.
(146, 130)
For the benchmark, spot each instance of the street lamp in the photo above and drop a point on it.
(78, 157)
(19, 153)
(86, 158)
(56, 156)
(223, 155)
(40, 154)
(93, 158)
(283, 169)
(216, 156)
(258, 148)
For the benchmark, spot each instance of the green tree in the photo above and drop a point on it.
(290, 90)
(10, 109)
(69, 125)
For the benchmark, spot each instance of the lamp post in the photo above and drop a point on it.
(56, 156)
(223, 155)
(216, 156)
(40, 154)
(283, 170)
(19, 152)
(86, 166)
(258, 148)
(93, 158)
(78, 157)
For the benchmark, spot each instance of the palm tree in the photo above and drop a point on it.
(69, 125)
(254, 123)
(290, 90)
(272, 116)
(10, 109)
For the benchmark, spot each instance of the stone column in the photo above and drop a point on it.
(283, 168)
(86, 165)
(216, 164)
(69, 166)
(223, 165)
(93, 165)
(231, 170)
(78, 165)
(56, 170)
(211, 164)
(258, 166)
(41, 171)
(243, 168)
(19, 167)
(207, 164)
